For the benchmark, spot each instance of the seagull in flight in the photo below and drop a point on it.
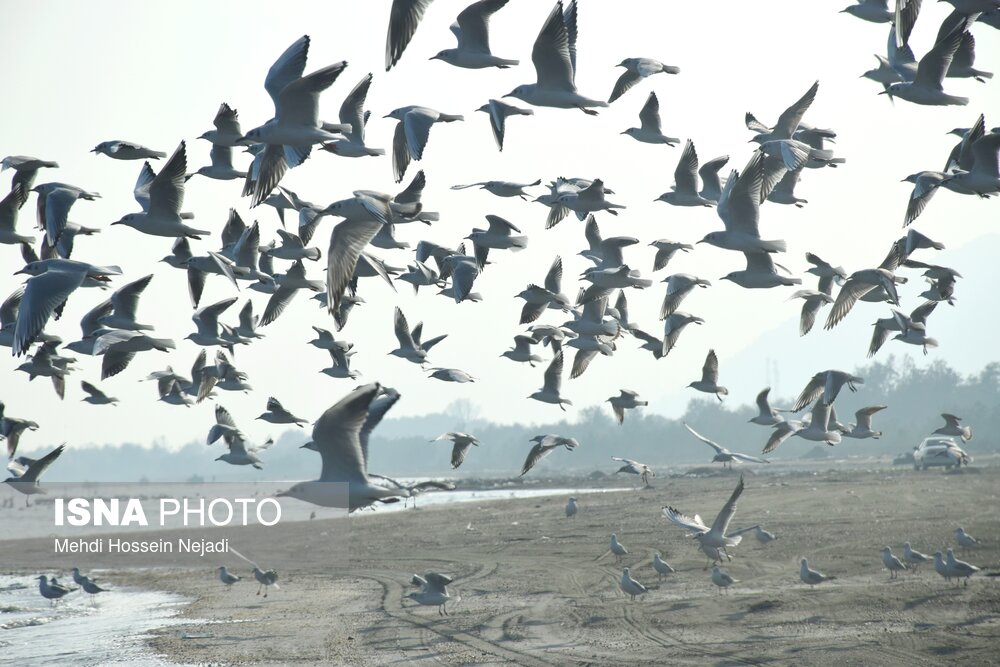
(714, 536)
(554, 57)
(722, 454)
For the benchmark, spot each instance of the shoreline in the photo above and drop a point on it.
(535, 588)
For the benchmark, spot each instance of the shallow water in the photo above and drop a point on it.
(75, 631)
(109, 631)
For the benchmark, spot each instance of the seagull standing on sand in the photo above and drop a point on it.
(617, 548)
(913, 557)
(434, 592)
(630, 586)
(571, 508)
(811, 577)
(722, 579)
(892, 563)
(959, 568)
(661, 566)
(763, 536)
(227, 577)
(265, 579)
(965, 540)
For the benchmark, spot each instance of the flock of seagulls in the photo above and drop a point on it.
(594, 323)
(715, 541)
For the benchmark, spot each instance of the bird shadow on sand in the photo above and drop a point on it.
(930, 597)
(755, 608)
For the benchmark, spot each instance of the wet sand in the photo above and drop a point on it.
(535, 589)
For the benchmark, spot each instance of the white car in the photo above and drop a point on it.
(939, 452)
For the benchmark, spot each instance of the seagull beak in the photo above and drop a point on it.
(19, 271)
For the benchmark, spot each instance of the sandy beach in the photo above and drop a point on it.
(535, 589)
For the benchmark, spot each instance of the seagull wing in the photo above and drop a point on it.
(553, 374)
(686, 173)
(849, 294)
(141, 189)
(721, 523)
(713, 445)
(474, 23)
(36, 468)
(710, 371)
(694, 524)
(166, 191)
(298, 102)
(43, 294)
(347, 241)
(337, 436)
(287, 68)
(352, 110)
(402, 330)
(552, 54)
(622, 86)
(790, 118)
(227, 121)
(649, 115)
(403, 21)
(932, 67)
(377, 410)
(125, 300)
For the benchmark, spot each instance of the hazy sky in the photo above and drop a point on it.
(82, 73)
